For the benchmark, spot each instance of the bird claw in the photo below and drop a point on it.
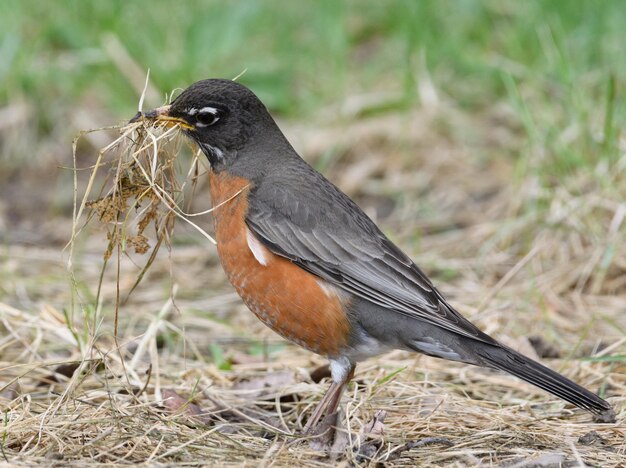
(328, 435)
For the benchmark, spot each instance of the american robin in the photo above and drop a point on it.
(311, 265)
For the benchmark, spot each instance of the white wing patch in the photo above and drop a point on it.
(330, 290)
(259, 251)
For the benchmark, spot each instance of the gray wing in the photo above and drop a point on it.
(306, 219)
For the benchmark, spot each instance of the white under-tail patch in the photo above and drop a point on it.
(367, 347)
(434, 348)
(259, 251)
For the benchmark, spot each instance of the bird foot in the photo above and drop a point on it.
(328, 435)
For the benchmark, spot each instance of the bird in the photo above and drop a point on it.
(313, 267)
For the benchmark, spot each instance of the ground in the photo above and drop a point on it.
(76, 391)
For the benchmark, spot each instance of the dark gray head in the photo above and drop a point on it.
(222, 116)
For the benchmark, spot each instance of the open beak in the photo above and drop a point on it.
(161, 114)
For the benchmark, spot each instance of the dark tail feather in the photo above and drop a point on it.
(510, 361)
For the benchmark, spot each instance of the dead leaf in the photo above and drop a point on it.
(596, 440)
(250, 414)
(176, 403)
(371, 437)
(320, 373)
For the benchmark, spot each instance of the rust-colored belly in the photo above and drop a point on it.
(289, 300)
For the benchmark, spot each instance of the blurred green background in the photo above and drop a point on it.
(67, 65)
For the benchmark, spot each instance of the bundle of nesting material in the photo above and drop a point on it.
(143, 187)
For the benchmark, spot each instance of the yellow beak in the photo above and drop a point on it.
(161, 114)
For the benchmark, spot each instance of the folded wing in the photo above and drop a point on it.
(327, 234)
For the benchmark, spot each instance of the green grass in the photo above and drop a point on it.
(300, 55)
(558, 64)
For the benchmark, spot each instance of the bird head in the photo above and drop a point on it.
(221, 116)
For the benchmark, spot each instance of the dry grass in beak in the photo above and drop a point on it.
(161, 116)
(143, 189)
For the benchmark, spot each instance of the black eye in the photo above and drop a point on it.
(207, 116)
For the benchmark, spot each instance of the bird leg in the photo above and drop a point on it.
(330, 401)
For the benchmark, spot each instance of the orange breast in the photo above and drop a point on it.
(292, 302)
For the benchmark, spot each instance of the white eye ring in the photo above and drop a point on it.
(207, 116)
